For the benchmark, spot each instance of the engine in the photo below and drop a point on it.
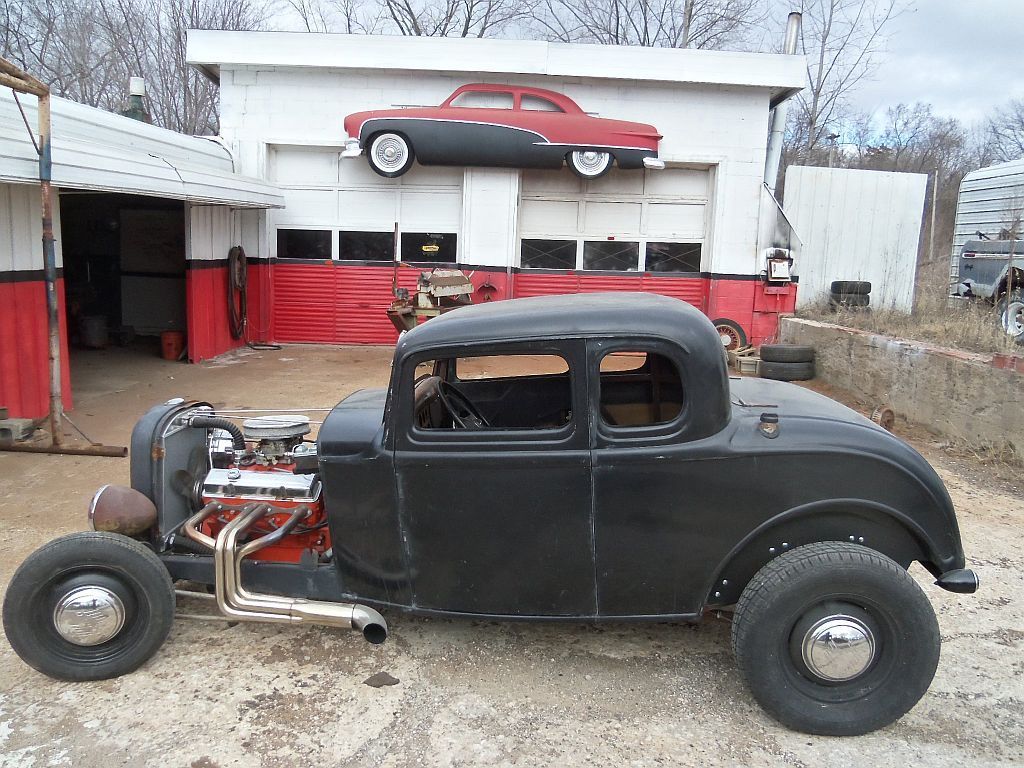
(278, 468)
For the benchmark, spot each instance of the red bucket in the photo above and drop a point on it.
(172, 344)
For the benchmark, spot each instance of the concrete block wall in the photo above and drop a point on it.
(971, 397)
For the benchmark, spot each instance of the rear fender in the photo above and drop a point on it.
(873, 525)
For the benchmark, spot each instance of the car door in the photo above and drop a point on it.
(498, 520)
(650, 482)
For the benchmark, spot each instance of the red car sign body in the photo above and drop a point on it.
(513, 127)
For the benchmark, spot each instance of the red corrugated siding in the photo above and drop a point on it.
(24, 349)
(692, 290)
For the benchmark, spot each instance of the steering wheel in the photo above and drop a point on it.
(464, 414)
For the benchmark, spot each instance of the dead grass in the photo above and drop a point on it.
(972, 326)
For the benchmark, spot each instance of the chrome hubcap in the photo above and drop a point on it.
(590, 161)
(89, 616)
(1013, 318)
(838, 648)
(389, 152)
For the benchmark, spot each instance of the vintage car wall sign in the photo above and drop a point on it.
(501, 126)
(560, 458)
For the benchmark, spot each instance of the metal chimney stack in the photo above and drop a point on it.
(136, 109)
(778, 122)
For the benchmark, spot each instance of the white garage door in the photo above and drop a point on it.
(339, 209)
(651, 221)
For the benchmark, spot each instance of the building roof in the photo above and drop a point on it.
(209, 50)
(572, 315)
(99, 151)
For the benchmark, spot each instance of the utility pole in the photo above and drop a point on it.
(22, 82)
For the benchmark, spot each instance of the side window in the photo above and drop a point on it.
(639, 389)
(493, 392)
(538, 104)
(483, 100)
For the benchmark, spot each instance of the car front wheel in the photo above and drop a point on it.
(89, 606)
(590, 163)
(390, 154)
(835, 639)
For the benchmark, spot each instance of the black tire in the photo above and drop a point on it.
(119, 565)
(387, 167)
(1012, 322)
(810, 584)
(785, 371)
(786, 353)
(860, 287)
(849, 300)
(737, 337)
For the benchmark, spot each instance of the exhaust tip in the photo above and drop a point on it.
(375, 634)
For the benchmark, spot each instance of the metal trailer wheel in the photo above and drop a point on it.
(390, 154)
(835, 639)
(1011, 315)
(590, 163)
(89, 606)
(731, 333)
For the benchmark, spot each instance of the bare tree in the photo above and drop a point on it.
(87, 49)
(653, 23)
(840, 40)
(453, 18)
(1006, 131)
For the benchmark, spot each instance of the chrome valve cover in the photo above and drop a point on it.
(267, 485)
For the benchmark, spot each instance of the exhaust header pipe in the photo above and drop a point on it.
(235, 602)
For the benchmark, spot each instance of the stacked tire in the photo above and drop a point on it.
(849, 294)
(786, 362)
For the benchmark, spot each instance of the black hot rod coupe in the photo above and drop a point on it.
(577, 457)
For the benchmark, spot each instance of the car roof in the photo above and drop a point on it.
(560, 99)
(565, 316)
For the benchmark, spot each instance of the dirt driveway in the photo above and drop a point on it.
(469, 693)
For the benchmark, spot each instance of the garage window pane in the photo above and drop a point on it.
(611, 255)
(303, 244)
(431, 247)
(673, 257)
(548, 254)
(366, 246)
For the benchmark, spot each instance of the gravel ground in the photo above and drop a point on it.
(468, 693)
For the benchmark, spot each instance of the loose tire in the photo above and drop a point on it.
(850, 300)
(590, 163)
(731, 333)
(786, 353)
(1011, 315)
(785, 371)
(835, 639)
(862, 287)
(89, 606)
(390, 154)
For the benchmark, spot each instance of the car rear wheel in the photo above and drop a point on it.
(590, 163)
(89, 606)
(835, 639)
(390, 154)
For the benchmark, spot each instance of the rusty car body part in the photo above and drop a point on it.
(436, 292)
(885, 417)
(118, 509)
(235, 602)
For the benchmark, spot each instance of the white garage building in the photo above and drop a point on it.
(284, 97)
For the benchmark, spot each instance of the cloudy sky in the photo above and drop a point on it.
(962, 56)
